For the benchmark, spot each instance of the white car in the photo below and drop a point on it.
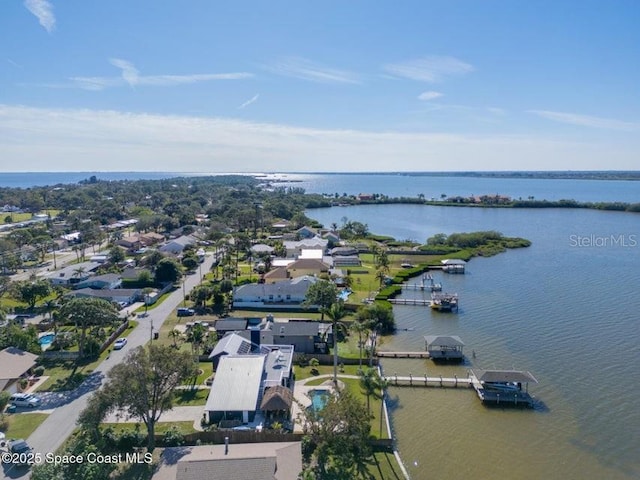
(119, 343)
(24, 400)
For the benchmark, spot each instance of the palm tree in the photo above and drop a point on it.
(369, 385)
(336, 312)
(360, 328)
(175, 335)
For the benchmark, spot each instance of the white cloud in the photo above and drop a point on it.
(250, 101)
(130, 75)
(38, 139)
(587, 120)
(43, 10)
(431, 95)
(429, 69)
(304, 69)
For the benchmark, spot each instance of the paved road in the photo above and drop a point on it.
(52, 433)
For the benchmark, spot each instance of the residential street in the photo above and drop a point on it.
(51, 434)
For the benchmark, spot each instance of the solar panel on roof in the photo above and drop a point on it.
(245, 347)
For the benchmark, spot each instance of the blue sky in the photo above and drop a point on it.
(250, 86)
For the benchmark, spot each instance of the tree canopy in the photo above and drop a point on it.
(337, 438)
(323, 293)
(87, 312)
(142, 385)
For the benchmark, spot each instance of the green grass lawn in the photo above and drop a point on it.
(188, 398)
(21, 425)
(14, 217)
(385, 467)
(161, 427)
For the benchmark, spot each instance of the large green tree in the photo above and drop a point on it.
(87, 312)
(323, 294)
(30, 292)
(142, 385)
(338, 438)
(168, 270)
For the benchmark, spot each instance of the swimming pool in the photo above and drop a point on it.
(319, 399)
(344, 294)
(46, 339)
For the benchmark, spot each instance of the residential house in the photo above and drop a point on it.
(287, 294)
(281, 224)
(294, 248)
(130, 242)
(277, 274)
(121, 296)
(306, 336)
(332, 237)
(177, 245)
(72, 274)
(14, 365)
(232, 461)
(151, 238)
(100, 282)
(306, 232)
(242, 378)
(307, 267)
(262, 249)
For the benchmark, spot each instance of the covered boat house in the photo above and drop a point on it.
(444, 347)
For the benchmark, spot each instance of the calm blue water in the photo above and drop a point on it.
(564, 310)
(433, 187)
(393, 185)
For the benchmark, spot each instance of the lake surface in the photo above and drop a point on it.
(565, 312)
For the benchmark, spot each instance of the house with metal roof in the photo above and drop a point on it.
(244, 371)
(236, 389)
(72, 274)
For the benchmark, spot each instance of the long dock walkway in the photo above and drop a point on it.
(426, 381)
(410, 301)
(384, 354)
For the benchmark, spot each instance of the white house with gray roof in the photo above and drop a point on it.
(287, 294)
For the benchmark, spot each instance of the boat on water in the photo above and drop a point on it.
(507, 387)
(444, 302)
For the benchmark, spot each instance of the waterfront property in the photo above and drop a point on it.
(287, 294)
(444, 347)
(242, 381)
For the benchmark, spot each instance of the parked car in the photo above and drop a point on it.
(119, 343)
(186, 312)
(24, 400)
(22, 448)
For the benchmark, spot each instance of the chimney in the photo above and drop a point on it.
(226, 445)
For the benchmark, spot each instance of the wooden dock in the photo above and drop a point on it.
(410, 301)
(383, 354)
(426, 381)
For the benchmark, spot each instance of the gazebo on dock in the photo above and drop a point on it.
(444, 347)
